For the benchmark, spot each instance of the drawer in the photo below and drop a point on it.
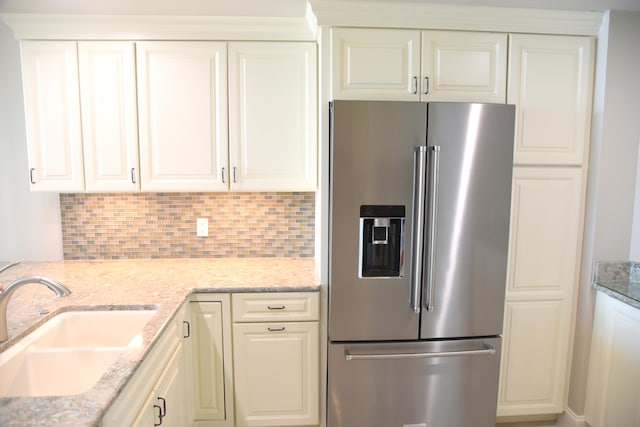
(275, 306)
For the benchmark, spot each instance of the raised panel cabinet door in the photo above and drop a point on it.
(207, 361)
(542, 275)
(52, 113)
(375, 64)
(533, 369)
(182, 113)
(464, 66)
(276, 369)
(550, 82)
(109, 115)
(273, 116)
(613, 388)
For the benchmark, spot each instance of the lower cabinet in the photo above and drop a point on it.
(209, 361)
(613, 387)
(155, 396)
(230, 360)
(276, 359)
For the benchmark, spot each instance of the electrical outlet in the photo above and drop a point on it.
(202, 227)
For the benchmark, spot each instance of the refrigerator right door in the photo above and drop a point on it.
(467, 219)
(414, 384)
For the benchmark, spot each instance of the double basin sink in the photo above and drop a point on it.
(69, 353)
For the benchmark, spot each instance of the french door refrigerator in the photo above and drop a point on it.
(420, 197)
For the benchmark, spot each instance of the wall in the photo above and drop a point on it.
(612, 200)
(163, 225)
(29, 222)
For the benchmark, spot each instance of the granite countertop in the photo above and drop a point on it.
(620, 280)
(116, 284)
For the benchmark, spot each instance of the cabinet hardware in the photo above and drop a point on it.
(276, 307)
(223, 176)
(280, 329)
(163, 412)
(415, 85)
(188, 325)
(133, 175)
(234, 175)
(159, 423)
(426, 85)
(31, 175)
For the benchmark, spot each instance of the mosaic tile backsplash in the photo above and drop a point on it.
(163, 225)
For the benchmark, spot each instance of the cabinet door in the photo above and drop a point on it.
(52, 113)
(550, 82)
(272, 116)
(464, 66)
(375, 64)
(543, 269)
(613, 390)
(207, 361)
(182, 107)
(276, 373)
(109, 115)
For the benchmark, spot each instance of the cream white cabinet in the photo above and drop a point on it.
(272, 116)
(109, 115)
(550, 79)
(613, 389)
(410, 65)
(80, 100)
(52, 113)
(550, 82)
(276, 359)
(182, 113)
(464, 66)
(155, 395)
(544, 253)
(209, 361)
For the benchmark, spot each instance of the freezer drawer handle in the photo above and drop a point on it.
(488, 350)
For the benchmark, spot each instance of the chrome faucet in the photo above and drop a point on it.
(57, 287)
(11, 264)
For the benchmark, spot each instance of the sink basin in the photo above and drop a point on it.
(117, 328)
(69, 353)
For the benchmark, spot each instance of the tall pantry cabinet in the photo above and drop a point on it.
(549, 79)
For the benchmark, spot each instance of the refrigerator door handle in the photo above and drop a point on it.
(487, 350)
(417, 240)
(432, 205)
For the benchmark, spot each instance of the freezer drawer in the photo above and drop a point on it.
(414, 384)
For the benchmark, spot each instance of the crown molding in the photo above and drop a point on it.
(388, 14)
(138, 27)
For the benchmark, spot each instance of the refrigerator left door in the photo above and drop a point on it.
(429, 384)
(372, 162)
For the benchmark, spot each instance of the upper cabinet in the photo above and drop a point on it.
(418, 65)
(91, 107)
(109, 117)
(272, 116)
(52, 113)
(550, 82)
(182, 109)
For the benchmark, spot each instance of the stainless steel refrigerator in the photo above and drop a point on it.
(420, 197)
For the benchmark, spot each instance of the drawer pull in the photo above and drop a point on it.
(280, 329)
(276, 307)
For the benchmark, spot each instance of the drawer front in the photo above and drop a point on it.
(275, 306)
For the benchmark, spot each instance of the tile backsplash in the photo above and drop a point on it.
(163, 225)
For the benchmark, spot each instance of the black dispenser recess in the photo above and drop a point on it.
(381, 241)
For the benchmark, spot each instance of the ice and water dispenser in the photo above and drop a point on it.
(381, 241)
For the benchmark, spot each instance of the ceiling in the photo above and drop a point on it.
(283, 8)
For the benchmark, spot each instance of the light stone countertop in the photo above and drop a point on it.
(114, 284)
(619, 280)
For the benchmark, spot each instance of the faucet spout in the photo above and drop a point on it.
(54, 285)
(11, 264)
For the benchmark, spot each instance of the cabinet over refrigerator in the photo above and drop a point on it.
(420, 197)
